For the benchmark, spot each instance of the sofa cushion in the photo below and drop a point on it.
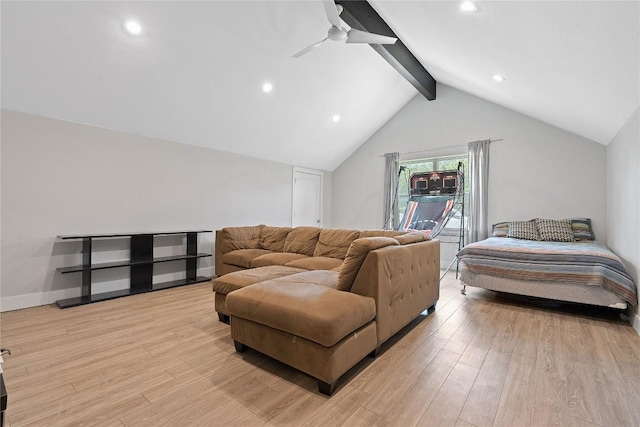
(334, 243)
(316, 263)
(278, 258)
(326, 278)
(381, 233)
(302, 240)
(358, 251)
(315, 312)
(272, 238)
(243, 257)
(239, 279)
(240, 238)
(412, 237)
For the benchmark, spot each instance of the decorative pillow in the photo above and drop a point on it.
(526, 230)
(555, 230)
(500, 229)
(582, 229)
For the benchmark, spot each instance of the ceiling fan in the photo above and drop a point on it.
(338, 33)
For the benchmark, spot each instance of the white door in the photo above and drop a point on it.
(307, 198)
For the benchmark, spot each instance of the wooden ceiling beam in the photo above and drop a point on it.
(360, 15)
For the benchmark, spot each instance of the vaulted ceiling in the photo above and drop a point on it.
(195, 73)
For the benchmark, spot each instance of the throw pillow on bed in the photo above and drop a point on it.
(526, 230)
(582, 229)
(500, 229)
(555, 230)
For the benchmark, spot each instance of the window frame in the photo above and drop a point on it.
(435, 162)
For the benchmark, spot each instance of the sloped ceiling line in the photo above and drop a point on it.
(360, 15)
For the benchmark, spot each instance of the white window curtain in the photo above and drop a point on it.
(478, 190)
(390, 205)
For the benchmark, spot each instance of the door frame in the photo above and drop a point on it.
(298, 170)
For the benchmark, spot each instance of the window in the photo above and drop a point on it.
(427, 165)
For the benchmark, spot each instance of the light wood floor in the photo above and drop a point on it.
(163, 359)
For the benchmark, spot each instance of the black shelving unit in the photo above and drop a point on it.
(3, 399)
(140, 262)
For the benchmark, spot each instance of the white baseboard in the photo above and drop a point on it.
(43, 298)
(33, 300)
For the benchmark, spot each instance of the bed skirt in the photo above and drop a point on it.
(569, 292)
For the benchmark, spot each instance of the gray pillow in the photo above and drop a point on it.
(526, 230)
(555, 230)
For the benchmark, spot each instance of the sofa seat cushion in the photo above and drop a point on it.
(316, 263)
(243, 257)
(328, 278)
(278, 258)
(239, 279)
(311, 311)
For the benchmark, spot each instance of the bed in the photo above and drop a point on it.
(579, 269)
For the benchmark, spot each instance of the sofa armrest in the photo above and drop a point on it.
(403, 280)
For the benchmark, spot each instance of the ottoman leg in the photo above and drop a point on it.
(326, 388)
(375, 353)
(223, 318)
(240, 348)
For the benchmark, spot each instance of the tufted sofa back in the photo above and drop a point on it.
(401, 279)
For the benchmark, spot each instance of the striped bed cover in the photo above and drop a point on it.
(581, 263)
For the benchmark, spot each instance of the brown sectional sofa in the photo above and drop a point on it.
(318, 299)
(304, 248)
(310, 248)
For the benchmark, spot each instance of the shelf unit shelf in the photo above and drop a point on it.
(141, 264)
(127, 263)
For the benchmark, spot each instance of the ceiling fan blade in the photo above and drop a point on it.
(357, 36)
(309, 48)
(332, 13)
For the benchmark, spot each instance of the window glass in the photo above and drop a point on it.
(428, 165)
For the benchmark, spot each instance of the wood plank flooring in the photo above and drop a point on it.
(163, 359)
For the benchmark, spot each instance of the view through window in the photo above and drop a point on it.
(447, 163)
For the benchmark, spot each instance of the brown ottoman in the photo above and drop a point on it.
(309, 326)
(239, 279)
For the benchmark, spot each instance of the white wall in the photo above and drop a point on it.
(537, 170)
(67, 178)
(623, 196)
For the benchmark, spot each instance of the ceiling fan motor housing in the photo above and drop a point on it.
(336, 34)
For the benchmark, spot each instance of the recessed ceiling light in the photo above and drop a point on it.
(335, 118)
(498, 78)
(267, 87)
(133, 27)
(468, 6)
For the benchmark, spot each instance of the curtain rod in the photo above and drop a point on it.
(443, 148)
